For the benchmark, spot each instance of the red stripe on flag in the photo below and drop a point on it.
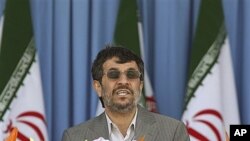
(209, 111)
(216, 132)
(37, 130)
(34, 114)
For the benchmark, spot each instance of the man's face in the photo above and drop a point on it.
(120, 94)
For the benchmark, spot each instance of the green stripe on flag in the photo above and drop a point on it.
(208, 26)
(14, 38)
(209, 37)
(17, 50)
(126, 31)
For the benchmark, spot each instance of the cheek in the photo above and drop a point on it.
(139, 85)
(137, 88)
(107, 88)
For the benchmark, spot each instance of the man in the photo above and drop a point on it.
(118, 80)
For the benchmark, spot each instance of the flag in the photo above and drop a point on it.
(21, 99)
(211, 100)
(128, 32)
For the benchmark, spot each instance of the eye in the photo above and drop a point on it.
(133, 74)
(113, 74)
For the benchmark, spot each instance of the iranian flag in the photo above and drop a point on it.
(21, 99)
(211, 100)
(128, 32)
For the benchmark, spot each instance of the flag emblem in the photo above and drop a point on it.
(202, 118)
(24, 118)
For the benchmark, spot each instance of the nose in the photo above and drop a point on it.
(123, 79)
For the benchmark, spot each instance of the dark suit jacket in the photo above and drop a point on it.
(153, 127)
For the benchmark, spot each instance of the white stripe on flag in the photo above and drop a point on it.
(229, 95)
(1, 29)
(149, 95)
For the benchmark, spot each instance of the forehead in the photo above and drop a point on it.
(112, 63)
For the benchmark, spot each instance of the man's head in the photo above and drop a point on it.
(118, 78)
(123, 54)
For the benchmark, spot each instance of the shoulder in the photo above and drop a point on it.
(166, 119)
(162, 121)
(163, 126)
(78, 131)
(156, 117)
(88, 129)
(82, 126)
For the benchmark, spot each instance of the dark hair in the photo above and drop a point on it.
(123, 54)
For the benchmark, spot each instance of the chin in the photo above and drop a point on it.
(123, 108)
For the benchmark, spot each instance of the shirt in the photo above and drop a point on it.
(116, 135)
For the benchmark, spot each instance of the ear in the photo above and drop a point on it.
(141, 85)
(98, 88)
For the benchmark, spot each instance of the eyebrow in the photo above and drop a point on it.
(119, 70)
(112, 69)
(131, 69)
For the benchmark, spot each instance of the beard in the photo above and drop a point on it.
(114, 106)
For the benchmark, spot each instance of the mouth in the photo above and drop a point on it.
(122, 92)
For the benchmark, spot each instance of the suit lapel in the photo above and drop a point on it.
(99, 128)
(145, 125)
